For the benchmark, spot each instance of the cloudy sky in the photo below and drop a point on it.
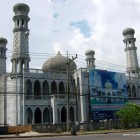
(75, 26)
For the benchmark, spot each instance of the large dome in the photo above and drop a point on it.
(58, 63)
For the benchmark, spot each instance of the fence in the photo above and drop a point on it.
(19, 129)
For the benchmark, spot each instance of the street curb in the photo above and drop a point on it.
(55, 135)
(32, 136)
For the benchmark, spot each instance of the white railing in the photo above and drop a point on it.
(48, 97)
(41, 71)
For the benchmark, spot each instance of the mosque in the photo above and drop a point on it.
(57, 93)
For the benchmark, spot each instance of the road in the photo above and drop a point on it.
(120, 136)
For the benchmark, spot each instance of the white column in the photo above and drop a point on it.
(54, 110)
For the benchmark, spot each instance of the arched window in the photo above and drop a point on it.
(23, 23)
(53, 88)
(17, 23)
(129, 92)
(61, 88)
(134, 92)
(28, 89)
(37, 90)
(22, 65)
(45, 89)
(138, 92)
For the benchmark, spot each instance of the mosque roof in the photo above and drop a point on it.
(58, 63)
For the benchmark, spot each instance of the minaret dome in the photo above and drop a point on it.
(21, 8)
(90, 58)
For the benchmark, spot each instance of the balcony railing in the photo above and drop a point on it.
(41, 71)
(132, 78)
(47, 97)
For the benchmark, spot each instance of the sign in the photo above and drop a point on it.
(103, 115)
(107, 93)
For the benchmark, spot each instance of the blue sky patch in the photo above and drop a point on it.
(55, 15)
(83, 26)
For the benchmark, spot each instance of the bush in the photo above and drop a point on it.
(129, 114)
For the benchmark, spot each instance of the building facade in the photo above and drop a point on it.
(57, 93)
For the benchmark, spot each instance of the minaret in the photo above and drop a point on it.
(20, 57)
(3, 57)
(90, 59)
(131, 54)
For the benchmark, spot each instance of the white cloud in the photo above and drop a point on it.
(97, 2)
(56, 46)
(51, 31)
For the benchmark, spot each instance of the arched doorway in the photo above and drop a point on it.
(46, 115)
(37, 90)
(71, 114)
(29, 115)
(37, 116)
(63, 115)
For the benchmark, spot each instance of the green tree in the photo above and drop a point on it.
(130, 113)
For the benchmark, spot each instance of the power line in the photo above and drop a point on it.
(105, 65)
(52, 54)
(103, 62)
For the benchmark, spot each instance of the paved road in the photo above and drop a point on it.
(125, 136)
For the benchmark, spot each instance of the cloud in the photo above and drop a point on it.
(76, 25)
(97, 2)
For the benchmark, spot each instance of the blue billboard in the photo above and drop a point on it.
(107, 93)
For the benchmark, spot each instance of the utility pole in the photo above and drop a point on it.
(68, 87)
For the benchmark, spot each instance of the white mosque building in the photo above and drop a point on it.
(37, 96)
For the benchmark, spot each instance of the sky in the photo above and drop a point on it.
(73, 27)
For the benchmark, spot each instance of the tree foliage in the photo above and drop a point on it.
(129, 114)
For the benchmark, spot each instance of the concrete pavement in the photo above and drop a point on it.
(36, 134)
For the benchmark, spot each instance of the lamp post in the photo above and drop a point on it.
(26, 34)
